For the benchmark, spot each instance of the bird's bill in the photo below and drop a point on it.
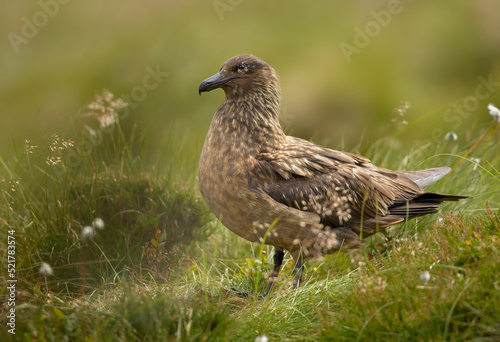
(214, 82)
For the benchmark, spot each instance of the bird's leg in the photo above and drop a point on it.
(298, 270)
(278, 261)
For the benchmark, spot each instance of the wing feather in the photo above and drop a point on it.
(342, 188)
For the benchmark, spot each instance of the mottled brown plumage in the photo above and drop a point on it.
(295, 195)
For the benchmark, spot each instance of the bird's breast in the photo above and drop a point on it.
(223, 169)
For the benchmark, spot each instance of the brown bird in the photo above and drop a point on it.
(287, 192)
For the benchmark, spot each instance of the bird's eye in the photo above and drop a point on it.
(241, 67)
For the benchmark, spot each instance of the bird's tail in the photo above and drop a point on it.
(426, 177)
(426, 203)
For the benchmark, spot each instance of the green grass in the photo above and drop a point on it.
(162, 269)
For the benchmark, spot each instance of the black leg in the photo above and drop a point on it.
(298, 271)
(278, 261)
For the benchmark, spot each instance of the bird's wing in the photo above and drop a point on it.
(300, 157)
(343, 189)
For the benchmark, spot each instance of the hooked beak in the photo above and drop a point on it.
(214, 82)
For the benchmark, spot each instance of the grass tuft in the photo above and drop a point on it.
(113, 246)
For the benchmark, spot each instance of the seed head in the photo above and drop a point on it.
(425, 276)
(98, 223)
(494, 112)
(46, 270)
(261, 338)
(88, 233)
(451, 136)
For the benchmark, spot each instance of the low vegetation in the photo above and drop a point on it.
(111, 246)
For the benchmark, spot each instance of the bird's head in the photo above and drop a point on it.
(243, 75)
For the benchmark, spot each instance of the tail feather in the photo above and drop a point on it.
(426, 203)
(430, 196)
(426, 177)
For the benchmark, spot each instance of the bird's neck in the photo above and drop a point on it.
(255, 117)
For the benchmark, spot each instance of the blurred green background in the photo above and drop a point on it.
(56, 55)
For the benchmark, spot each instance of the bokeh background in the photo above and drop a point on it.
(161, 267)
(56, 55)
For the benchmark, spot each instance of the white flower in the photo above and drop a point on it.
(425, 276)
(476, 161)
(46, 270)
(261, 338)
(88, 233)
(451, 136)
(494, 112)
(98, 223)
